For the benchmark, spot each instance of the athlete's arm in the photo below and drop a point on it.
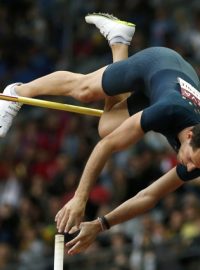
(128, 133)
(139, 204)
(146, 199)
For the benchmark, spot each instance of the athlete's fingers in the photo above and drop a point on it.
(63, 221)
(73, 241)
(73, 229)
(74, 244)
(85, 238)
(77, 246)
(59, 220)
(57, 215)
(69, 224)
(60, 215)
(75, 249)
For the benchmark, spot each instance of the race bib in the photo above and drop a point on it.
(189, 92)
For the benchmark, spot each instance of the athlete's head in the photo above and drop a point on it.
(189, 153)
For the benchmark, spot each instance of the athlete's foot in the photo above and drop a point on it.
(8, 110)
(113, 29)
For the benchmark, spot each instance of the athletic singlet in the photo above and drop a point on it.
(166, 109)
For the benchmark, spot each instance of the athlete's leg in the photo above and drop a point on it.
(119, 52)
(85, 88)
(115, 108)
(116, 32)
(119, 35)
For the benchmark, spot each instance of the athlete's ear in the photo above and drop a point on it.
(189, 134)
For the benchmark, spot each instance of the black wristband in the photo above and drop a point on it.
(104, 223)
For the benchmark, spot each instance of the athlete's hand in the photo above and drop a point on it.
(70, 215)
(87, 235)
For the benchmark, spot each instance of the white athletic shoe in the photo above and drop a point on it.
(8, 110)
(111, 27)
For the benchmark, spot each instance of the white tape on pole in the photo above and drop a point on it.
(59, 252)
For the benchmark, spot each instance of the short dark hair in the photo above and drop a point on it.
(195, 141)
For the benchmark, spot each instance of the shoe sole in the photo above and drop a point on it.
(112, 18)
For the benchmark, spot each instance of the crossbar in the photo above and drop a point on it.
(52, 105)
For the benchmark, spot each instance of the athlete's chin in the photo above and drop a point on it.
(178, 158)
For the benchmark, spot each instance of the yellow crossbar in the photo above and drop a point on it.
(52, 105)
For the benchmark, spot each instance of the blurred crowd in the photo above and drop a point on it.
(44, 153)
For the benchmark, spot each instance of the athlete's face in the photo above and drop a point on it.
(189, 157)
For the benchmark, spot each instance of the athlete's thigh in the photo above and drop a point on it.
(113, 118)
(123, 76)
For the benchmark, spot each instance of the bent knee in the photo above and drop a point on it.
(103, 128)
(85, 96)
(102, 132)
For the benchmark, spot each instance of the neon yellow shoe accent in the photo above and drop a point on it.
(126, 23)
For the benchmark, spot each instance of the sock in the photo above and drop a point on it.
(118, 40)
(13, 91)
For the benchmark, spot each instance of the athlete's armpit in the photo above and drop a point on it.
(128, 133)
